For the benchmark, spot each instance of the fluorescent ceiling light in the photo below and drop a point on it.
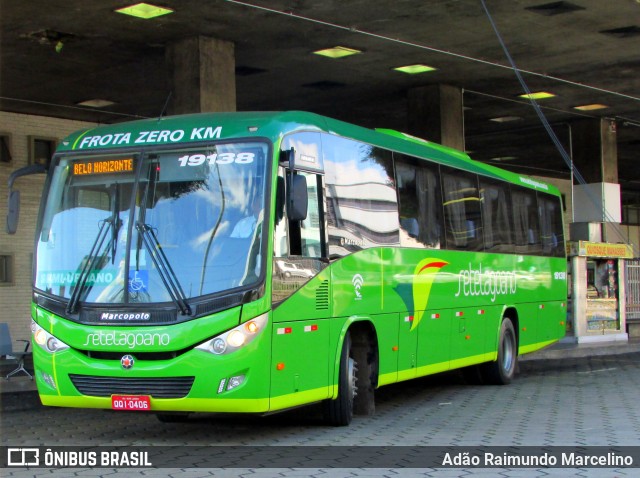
(96, 103)
(337, 52)
(144, 10)
(504, 158)
(415, 69)
(505, 119)
(539, 95)
(591, 107)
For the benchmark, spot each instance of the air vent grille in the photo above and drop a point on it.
(322, 296)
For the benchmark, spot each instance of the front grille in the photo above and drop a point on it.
(163, 387)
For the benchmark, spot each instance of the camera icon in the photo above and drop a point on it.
(23, 457)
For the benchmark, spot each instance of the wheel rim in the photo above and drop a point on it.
(352, 380)
(508, 352)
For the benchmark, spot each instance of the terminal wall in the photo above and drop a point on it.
(15, 296)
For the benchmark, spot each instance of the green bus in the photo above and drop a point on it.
(255, 262)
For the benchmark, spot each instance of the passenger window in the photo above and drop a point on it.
(525, 221)
(462, 216)
(496, 216)
(420, 203)
(551, 230)
(362, 206)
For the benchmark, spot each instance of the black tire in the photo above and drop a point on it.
(502, 371)
(364, 401)
(339, 412)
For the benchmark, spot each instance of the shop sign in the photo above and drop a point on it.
(600, 249)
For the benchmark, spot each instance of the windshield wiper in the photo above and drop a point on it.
(91, 262)
(165, 271)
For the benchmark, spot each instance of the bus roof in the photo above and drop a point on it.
(200, 127)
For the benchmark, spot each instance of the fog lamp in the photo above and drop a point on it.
(235, 382)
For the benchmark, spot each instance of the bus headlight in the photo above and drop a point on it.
(45, 340)
(236, 338)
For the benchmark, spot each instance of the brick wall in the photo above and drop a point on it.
(15, 298)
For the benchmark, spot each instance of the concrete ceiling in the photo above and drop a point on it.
(584, 51)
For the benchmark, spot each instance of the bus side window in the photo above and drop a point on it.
(305, 237)
(281, 242)
(311, 228)
(496, 215)
(463, 219)
(420, 203)
(525, 220)
(299, 249)
(362, 204)
(551, 231)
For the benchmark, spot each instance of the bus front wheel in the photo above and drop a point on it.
(502, 371)
(339, 412)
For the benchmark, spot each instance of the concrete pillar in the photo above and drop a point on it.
(595, 156)
(202, 75)
(435, 114)
(595, 150)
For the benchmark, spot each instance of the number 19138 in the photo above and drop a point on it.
(216, 158)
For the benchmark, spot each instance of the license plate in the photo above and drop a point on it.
(140, 403)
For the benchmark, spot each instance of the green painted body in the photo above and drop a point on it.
(432, 310)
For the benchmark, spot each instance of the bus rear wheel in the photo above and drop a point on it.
(502, 371)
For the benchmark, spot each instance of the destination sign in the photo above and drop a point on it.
(103, 166)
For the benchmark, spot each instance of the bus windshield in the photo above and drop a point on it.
(155, 227)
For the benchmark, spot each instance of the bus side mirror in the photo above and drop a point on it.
(298, 199)
(13, 202)
(14, 212)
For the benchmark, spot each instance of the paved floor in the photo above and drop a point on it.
(583, 398)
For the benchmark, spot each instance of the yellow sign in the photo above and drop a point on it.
(601, 249)
(103, 166)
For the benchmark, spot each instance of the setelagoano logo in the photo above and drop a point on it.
(491, 283)
(126, 339)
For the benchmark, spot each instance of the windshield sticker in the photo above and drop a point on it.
(138, 281)
(70, 278)
(150, 137)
